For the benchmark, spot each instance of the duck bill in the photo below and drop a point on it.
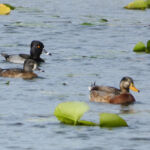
(46, 53)
(133, 88)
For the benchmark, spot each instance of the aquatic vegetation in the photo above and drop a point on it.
(71, 112)
(103, 20)
(148, 3)
(87, 24)
(112, 120)
(137, 4)
(10, 6)
(139, 47)
(148, 47)
(4, 10)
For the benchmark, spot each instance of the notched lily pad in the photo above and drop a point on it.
(137, 4)
(111, 120)
(139, 47)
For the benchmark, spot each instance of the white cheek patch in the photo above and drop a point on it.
(126, 84)
(34, 67)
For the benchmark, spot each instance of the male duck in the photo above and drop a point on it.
(36, 50)
(113, 95)
(26, 72)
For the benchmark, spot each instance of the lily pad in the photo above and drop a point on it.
(103, 20)
(4, 10)
(137, 4)
(70, 112)
(148, 47)
(87, 24)
(139, 47)
(112, 120)
(10, 6)
(148, 3)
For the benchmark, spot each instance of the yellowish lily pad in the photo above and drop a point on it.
(4, 10)
(137, 4)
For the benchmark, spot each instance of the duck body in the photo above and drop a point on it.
(36, 50)
(113, 95)
(26, 72)
(17, 73)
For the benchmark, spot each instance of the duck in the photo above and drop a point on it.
(36, 49)
(26, 73)
(108, 94)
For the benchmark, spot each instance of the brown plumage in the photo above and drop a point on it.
(26, 72)
(113, 95)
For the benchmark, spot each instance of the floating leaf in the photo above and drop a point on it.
(111, 120)
(86, 123)
(139, 47)
(7, 83)
(10, 6)
(148, 47)
(148, 3)
(137, 4)
(103, 20)
(4, 10)
(70, 112)
(87, 24)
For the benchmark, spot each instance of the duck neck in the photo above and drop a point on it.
(124, 90)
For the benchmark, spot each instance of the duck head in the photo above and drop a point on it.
(127, 83)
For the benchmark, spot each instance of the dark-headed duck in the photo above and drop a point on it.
(36, 50)
(26, 72)
(113, 95)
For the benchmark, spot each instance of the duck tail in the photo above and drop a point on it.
(92, 85)
(5, 55)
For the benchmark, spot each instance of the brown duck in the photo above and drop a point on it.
(26, 72)
(113, 95)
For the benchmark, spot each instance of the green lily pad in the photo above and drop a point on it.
(139, 47)
(70, 112)
(10, 6)
(148, 47)
(111, 120)
(137, 4)
(87, 24)
(148, 3)
(103, 20)
(7, 83)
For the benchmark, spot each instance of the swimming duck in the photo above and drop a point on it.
(36, 50)
(113, 95)
(26, 72)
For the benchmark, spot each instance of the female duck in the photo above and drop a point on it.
(36, 50)
(113, 95)
(26, 72)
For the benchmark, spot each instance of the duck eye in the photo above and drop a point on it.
(38, 46)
